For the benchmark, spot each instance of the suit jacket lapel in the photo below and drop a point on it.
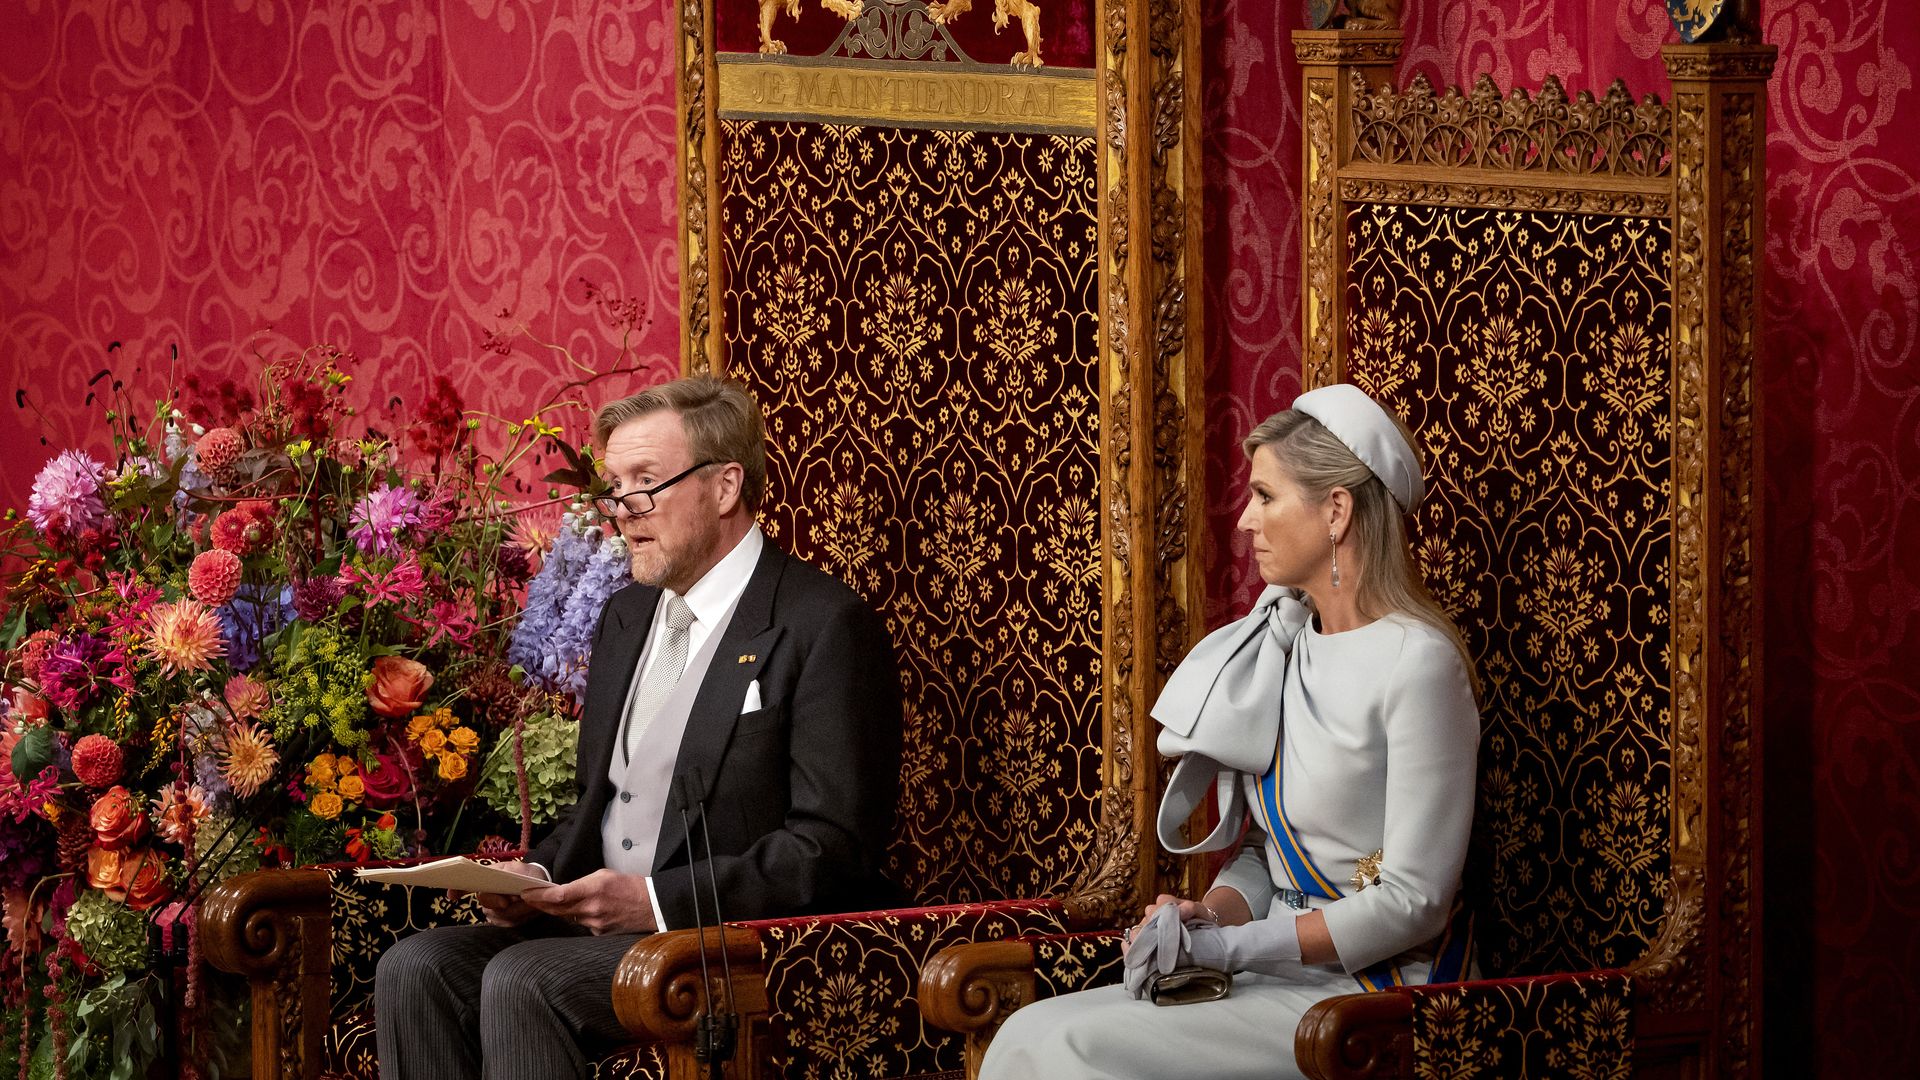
(742, 652)
(607, 696)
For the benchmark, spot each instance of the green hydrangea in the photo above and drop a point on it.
(113, 935)
(551, 741)
(222, 853)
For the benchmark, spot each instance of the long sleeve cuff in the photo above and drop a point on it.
(659, 917)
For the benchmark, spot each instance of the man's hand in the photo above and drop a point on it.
(500, 909)
(605, 902)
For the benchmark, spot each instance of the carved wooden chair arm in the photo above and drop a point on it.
(271, 926)
(1355, 1036)
(656, 989)
(1579, 1024)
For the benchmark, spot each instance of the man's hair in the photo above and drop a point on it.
(722, 420)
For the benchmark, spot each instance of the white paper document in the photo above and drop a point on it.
(462, 874)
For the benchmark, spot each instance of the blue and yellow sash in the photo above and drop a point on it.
(1456, 944)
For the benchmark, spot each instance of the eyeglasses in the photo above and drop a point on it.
(640, 503)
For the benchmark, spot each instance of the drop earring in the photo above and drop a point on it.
(1335, 541)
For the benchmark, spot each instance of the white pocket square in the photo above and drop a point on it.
(752, 704)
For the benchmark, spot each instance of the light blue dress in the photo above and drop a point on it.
(1377, 755)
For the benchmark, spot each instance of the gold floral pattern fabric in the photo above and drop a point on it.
(1528, 352)
(1527, 1029)
(843, 990)
(917, 312)
(1065, 963)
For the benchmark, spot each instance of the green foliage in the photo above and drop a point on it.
(325, 685)
(115, 1031)
(113, 935)
(551, 742)
(223, 849)
(313, 839)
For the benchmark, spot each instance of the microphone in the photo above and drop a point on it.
(713, 1036)
(729, 1020)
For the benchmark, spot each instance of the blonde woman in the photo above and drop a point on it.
(1347, 876)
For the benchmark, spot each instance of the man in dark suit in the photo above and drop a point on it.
(766, 683)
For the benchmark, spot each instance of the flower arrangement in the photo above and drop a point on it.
(265, 633)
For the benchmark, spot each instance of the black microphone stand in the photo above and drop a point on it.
(711, 1045)
(724, 1031)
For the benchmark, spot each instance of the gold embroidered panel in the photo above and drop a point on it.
(1533, 1030)
(1529, 353)
(917, 312)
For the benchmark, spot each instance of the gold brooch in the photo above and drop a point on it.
(748, 658)
(1366, 871)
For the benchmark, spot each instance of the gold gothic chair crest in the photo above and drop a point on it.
(1558, 293)
(951, 263)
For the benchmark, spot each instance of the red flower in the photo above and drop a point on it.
(98, 761)
(116, 819)
(399, 686)
(144, 881)
(214, 577)
(246, 530)
(386, 783)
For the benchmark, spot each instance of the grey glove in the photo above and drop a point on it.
(1267, 946)
(1158, 948)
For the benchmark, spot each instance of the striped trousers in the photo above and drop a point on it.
(497, 1003)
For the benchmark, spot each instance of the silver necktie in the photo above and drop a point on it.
(669, 663)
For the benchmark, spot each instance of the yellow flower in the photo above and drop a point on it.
(320, 773)
(464, 739)
(326, 805)
(418, 726)
(452, 766)
(347, 766)
(352, 787)
(433, 741)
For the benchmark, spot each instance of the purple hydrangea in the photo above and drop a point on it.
(549, 597)
(253, 613)
(66, 499)
(384, 517)
(608, 570)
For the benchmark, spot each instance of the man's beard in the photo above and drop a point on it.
(660, 568)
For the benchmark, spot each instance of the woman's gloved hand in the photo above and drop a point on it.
(1158, 946)
(1267, 946)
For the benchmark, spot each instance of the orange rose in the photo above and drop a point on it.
(144, 881)
(116, 819)
(352, 787)
(452, 766)
(464, 739)
(399, 686)
(433, 741)
(326, 805)
(104, 868)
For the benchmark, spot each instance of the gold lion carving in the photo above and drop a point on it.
(846, 9)
(1028, 12)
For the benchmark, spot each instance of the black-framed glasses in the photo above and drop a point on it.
(640, 503)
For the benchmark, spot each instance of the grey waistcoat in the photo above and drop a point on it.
(630, 826)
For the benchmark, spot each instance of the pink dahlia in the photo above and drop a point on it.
(248, 760)
(248, 698)
(66, 498)
(98, 761)
(184, 636)
(219, 451)
(383, 517)
(214, 577)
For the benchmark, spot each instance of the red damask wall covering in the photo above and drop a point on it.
(392, 175)
(389, 176)
(1843, 440)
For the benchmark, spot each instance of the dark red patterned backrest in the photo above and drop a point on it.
(1528, 350)
(916, 311)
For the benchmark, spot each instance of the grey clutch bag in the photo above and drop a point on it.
(1188, 985)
